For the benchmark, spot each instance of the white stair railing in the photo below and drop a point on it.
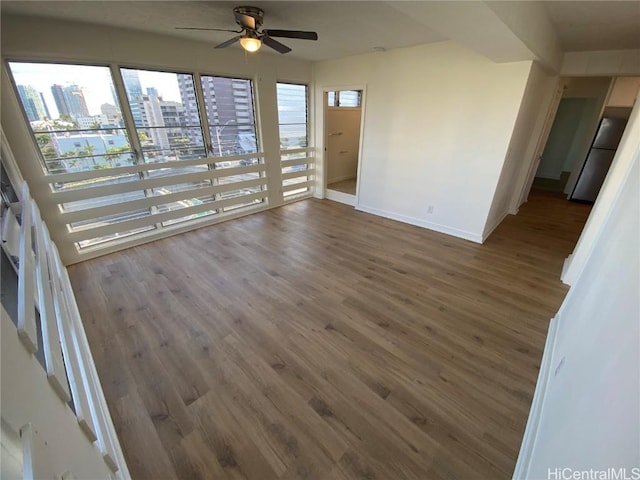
(43, 405)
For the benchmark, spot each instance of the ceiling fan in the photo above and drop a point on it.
(252, 38)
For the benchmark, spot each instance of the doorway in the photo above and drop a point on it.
(343, 125)
(576, 121)
(616, 99)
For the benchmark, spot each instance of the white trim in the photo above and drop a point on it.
(341, 197)
(324, 191)
(472, 237)
(530, 437)
(489, 231)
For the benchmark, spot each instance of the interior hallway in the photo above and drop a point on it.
(315, 341)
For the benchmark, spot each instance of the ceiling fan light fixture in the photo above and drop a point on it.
(251, 44)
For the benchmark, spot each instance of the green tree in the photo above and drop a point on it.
(113, 154)
(43, 139)
(87, 150)
(143, 137)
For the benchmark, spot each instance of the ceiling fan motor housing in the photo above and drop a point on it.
(249, 17)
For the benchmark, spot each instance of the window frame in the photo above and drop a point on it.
(307, 100)
(58, 220)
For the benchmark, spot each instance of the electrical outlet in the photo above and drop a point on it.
(430, 209)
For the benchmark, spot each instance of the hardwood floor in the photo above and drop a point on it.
(314, 341)
(344, 186)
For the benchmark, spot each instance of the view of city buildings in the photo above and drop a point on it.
(167, 129)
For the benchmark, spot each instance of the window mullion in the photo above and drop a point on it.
(204, 121)
(202, 109)
(130, 125)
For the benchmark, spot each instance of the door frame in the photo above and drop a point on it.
(325, 109)
(523, 195)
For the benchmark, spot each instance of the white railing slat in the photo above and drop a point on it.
(122, 207)
(297, 150)
(74, 373)
(50, 335)
(27, 328)
(296, 161)
(126, 225)
(144, 167)
(295, 186)
(98, 408)
(297, 173)
(87, 193)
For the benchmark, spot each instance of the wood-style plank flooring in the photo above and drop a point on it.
(316, 342)
(344, 186)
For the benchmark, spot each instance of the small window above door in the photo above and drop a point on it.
(345, 98)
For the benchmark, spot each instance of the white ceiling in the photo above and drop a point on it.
(608, 25)
(376, 24)
(344, 27)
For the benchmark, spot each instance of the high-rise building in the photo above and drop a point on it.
(133, 88)
(132, 84)
(58, 96)
(75, 101)
(34, 107)
(112, 113)
(70, 100)
(229, 111)
(191, 115)
(46, 109)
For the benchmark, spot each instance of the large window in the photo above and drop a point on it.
(167, 158)
(76, 118)
(232, 127)
(165, 114)
(292, 115)
(292, 123)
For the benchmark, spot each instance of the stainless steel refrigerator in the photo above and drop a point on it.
(599, 159)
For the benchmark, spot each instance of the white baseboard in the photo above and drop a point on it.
(565, 269)
(472, 237)
(490, 230)
(527, 447)
(340, 179)
(341, 197)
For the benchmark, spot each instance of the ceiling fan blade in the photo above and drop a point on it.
(210, 29)
(292, 34)
(231, 41)
(276, 45)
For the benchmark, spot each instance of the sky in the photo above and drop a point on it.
(95, 82)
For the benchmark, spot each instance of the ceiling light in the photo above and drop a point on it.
(251, 44)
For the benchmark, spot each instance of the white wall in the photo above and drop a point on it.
(590, 415)
(569, 132)
(437, 123)
(624, 92)
(522, 147)
(342, 150)
(604, 62)
(62, 41)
